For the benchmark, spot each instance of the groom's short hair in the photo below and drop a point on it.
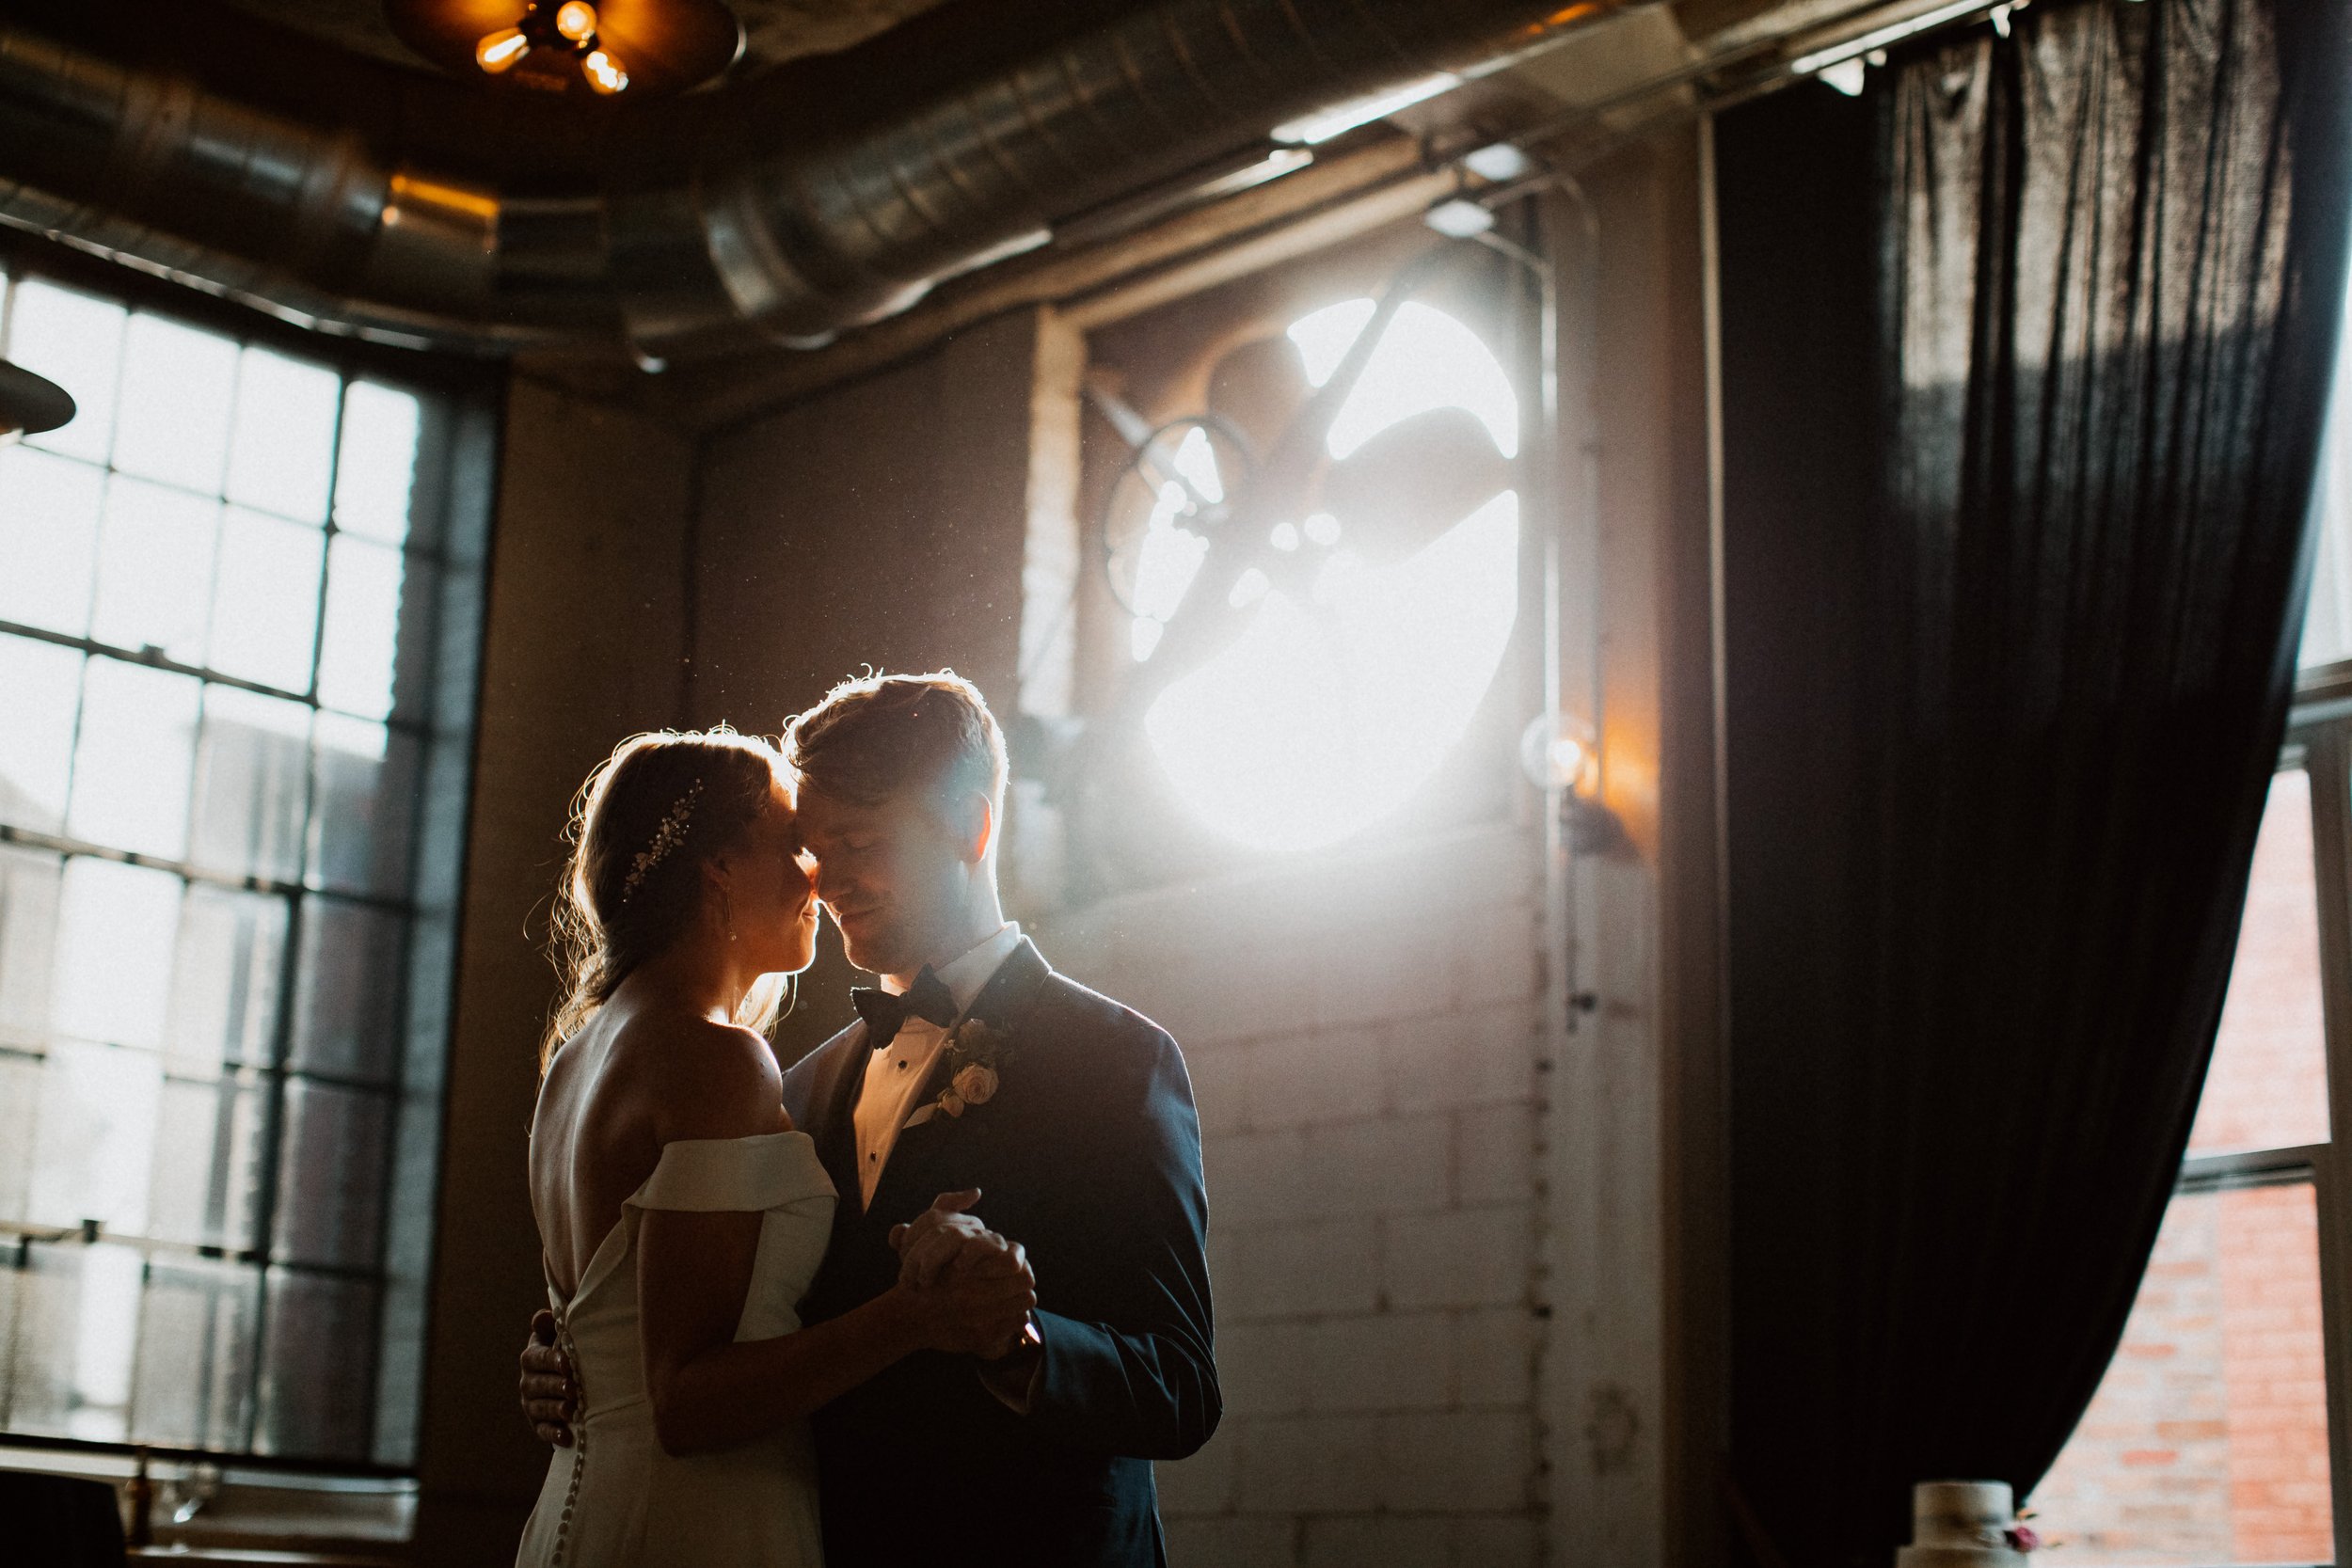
(877, 735)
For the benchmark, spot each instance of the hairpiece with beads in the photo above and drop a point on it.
(665, 838)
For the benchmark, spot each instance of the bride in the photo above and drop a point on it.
(681, 1217)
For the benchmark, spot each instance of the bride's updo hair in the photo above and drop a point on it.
(641, 828)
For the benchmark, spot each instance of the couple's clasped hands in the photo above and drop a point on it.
(967, 1290)
(973, 1288)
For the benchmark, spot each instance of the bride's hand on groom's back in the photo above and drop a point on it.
(547, 1394)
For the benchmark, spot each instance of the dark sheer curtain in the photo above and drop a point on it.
(2024, 360)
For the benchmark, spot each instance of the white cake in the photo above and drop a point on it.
(1960, 1524)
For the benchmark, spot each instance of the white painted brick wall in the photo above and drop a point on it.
(1267, 1366)
(1362, 1037)
(1391, 1361)
(1407, 1541)
(1302, 1465)
(1314, 1270)
(1262, 1541)
(1465, 1258)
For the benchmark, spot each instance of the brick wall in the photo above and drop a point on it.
(2268, 1085)
(2208, 1440)
(2274, 1377)
(1362, 1035)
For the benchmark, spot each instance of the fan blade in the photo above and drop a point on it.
(1260, 387)
(1412, 481)
(30, 403)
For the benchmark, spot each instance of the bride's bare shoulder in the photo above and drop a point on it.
(701, 1079)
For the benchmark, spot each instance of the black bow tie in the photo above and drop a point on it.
(929, 999)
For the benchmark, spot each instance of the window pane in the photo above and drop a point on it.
(412, 676)
(347, 991)
(132, 758)
(20, 1098)
(177, 386)
(2207, 1442)
(28, 924)
(2267, 1087)
(75, 342)
(77, 1312)
(316, 1375)
(366, 805)
(2328, 622)
(202, 1052)
(225, 979)
(355, 655)
(49, 538)
(40, 688)
(155, 569)
(95, 1147)
(284, 438)
(116, 928)
(330, 1175)
(377, 467)
(206, 1161)
(114, 953)
(266, 601)
(249, 788)
(197, 1325)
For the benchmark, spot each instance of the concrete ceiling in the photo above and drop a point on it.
(774, 30)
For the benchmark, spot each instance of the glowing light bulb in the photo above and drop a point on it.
(1558, 750)
(603, 71)
(499, 51)
(576, 20)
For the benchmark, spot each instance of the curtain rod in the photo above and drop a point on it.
(1801, 54)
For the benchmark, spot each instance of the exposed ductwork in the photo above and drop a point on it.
(754, 243)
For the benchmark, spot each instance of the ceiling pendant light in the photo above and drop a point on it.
(643, 48)
(603, 71)
(498, 51)
(567, 29)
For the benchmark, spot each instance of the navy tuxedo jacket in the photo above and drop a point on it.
(1089, 1156)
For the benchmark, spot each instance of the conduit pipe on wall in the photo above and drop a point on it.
(755, 244)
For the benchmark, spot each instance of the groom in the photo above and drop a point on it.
(975, 1066)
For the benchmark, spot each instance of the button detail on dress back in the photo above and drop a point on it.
(580, 1447)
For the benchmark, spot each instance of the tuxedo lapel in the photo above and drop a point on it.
(1006, 1000)
(1003, 1003)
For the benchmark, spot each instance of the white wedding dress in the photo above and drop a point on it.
(614, 1499)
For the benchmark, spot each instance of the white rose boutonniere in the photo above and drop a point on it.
(975, 1056)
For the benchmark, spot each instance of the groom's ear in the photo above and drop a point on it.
(975, 820)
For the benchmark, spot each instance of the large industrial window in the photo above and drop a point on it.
(237, 644)
(2210, 1439)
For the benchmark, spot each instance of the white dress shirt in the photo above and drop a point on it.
(896, 1075)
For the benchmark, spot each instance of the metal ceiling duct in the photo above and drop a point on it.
(780, 243)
